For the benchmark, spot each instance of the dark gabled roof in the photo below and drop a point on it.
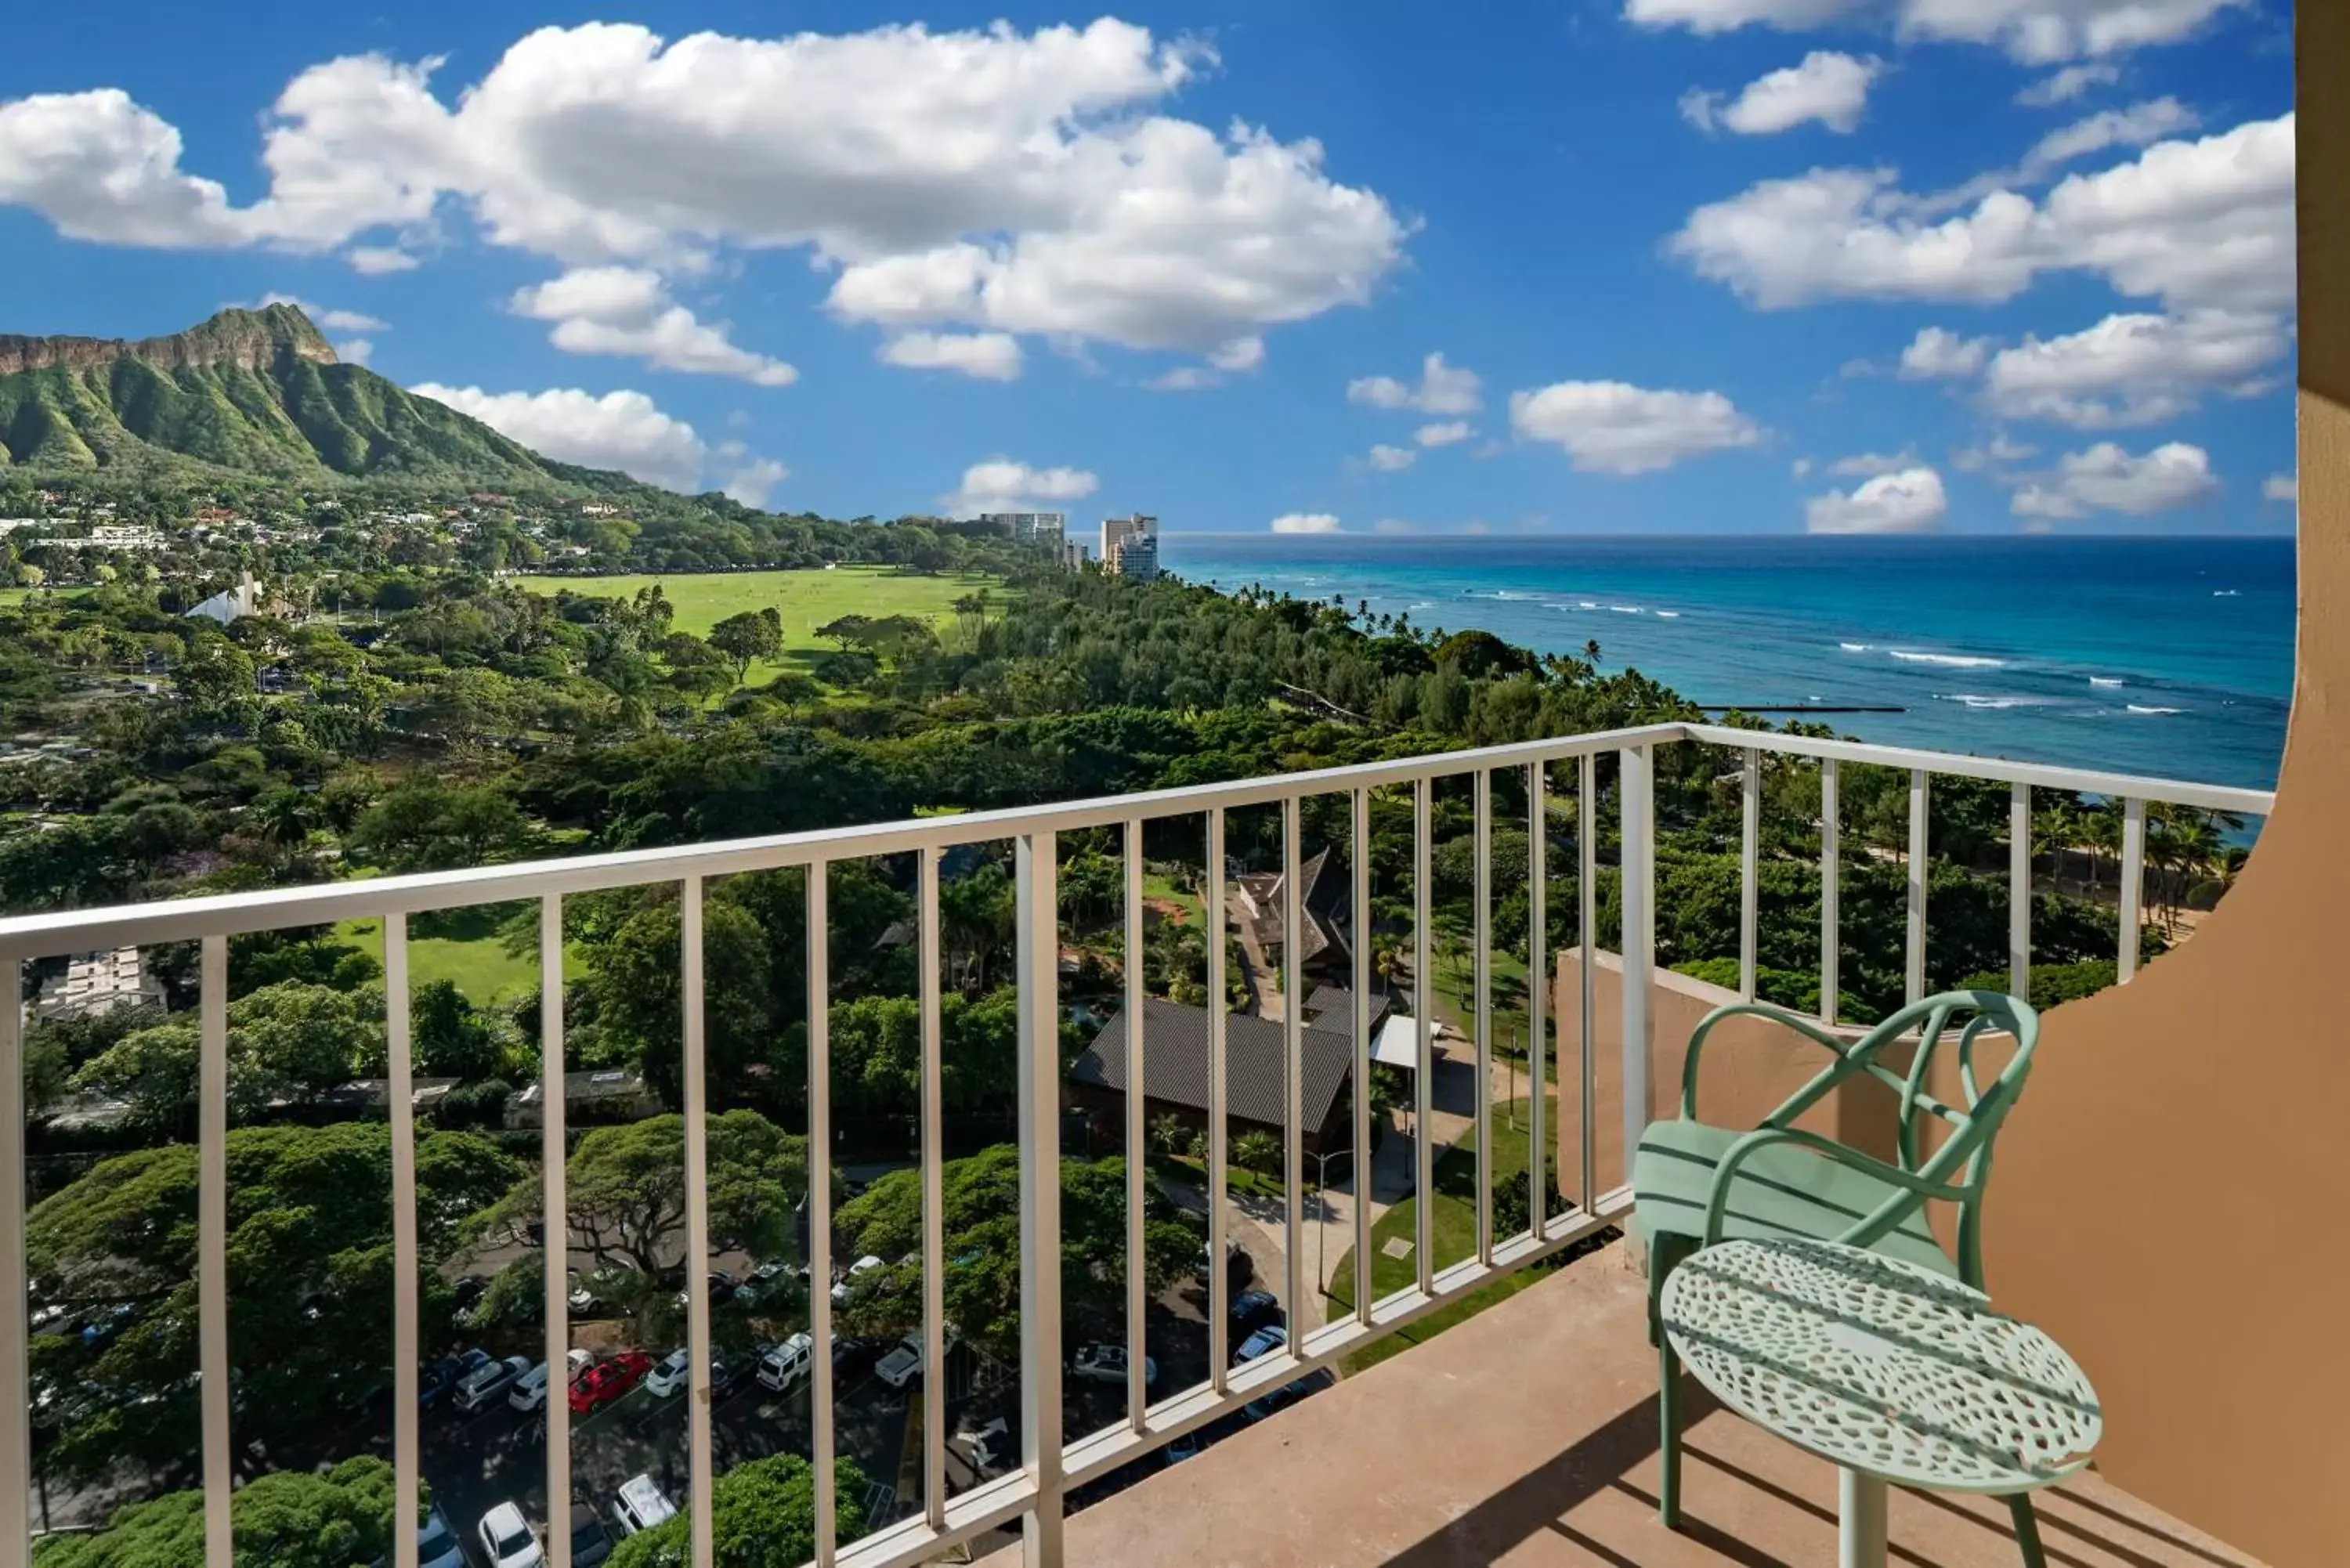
(1175, 1062)
(1325, 898)
(1332, 1007)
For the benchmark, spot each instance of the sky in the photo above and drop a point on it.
(1621, 266)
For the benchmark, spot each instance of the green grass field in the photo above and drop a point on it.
(1454, 1229)
(463, 946)
(805, 599)
(11, 598)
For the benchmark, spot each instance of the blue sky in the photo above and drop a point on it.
(1194, 260)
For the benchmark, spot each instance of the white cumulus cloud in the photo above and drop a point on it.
(354, 350)
(2035, 32)
(1306, 523)
(2107, 479)
(1610, 426)
(2193, 223)
(1936, 353)
(2134, 368)
(1444, 432)
(628, 311)
(2284, 487)
(1907, 500)
(756, 481)
(1002, 485)
(1389, 459)
(1442, 389)
(2064, 86)
(619, 430)
(1828, 87)
(1868, 464)
(988, 355)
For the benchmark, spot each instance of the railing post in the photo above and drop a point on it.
(1293, 1055)
(2133, 889)
(819, 1201)
(1424, 1000)
(16, 1368)
(1038, 960)
(2019, 891)
(1586, 926)
(1750, 875)
(1636, 790)
(1137, 1394)
(934, 1179)
(555, 1207)
(1914, 969)
(695, 1100)
(1483, 830)
(1359, 868)
(399, 1064)
(211, 1248)
(1219, 1012)
(1538, 1142)
(1831, 892)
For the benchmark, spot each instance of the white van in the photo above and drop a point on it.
(642, 1506)
(788, 1363)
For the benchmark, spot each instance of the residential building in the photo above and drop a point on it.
(231, 605)
(1326, 899)
(1044, 528)
(1129, 546)
(96, 983)
(1073, 554)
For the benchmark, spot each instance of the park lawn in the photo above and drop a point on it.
(11, 598)
(461, 946)
(807, 599)
(1161, 888)
(1454, 1226)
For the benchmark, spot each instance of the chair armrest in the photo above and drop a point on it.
(1861, 1232)
(1779, 1015)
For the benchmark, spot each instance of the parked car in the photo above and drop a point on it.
(1264, 1342)
(444, 1376)
(670, 1375)
(1239, 1267)
(903, 1364)
(851, 1355)
(487, 1383)
(787, 1364)
(642, 1506)
(591, 1544)
(1252, 1309)
(1106, 1364)
(609, 1380)
(858, 1270)
(726, 1373)
(1177, 1450)
(994, 1448)
(436, 1544)
(529, 1390)
(764, 1282)
(601, 1293)
(508, 1540)
(466, 1294)
(1288, 1393)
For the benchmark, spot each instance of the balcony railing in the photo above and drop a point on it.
(1050, 1466)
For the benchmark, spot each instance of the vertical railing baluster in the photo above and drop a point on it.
(16, 1319)
(1635, 796)
(400, 1101)
(1914, 969)
(1219, 1011)
(1359, 867)
(2019, 891)
(1537, 993)
(1587, 937)
(554, 1205)
(1750, 876)
(211, 1248)
(1038, 957)
(1292, 1033)
(934, 1199)
(1138, 1396)
(1831, 892)
(696, 1104)
(1484, 970)
(1423, 1004)
(819, 1167)
(2133, 889)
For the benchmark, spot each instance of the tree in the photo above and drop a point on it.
(285, 1042)
(451, 1037)
(751, 636)
(980, 1218)
(626, 1189)
(427, 826)
(761, 1515)
(287, 1519)
(1259, 1151)
(310, 1272)
(637, 983)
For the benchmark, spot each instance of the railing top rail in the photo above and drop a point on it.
(2043, 775)
(184, 919)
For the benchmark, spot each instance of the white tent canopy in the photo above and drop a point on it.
(1397, 1044)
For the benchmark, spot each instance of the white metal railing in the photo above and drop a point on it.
(1050, 1466)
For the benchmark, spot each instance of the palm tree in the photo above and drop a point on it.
(1591, 651)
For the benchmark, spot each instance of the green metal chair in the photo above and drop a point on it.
(1694, 1184)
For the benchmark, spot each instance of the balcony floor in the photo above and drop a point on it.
(1527, 1437)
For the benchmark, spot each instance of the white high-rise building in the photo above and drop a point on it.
(1129, 546)
(1044, 528)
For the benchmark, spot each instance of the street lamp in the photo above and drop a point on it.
(1322, 1187)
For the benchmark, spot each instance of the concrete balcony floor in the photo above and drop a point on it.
(1527, 1435)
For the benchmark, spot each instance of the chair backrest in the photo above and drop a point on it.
(1974, 1014)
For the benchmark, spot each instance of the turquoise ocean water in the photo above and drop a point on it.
(2167, 657)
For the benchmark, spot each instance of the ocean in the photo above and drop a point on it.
(2170, 657)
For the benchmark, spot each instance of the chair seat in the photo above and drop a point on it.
(1781, 1190)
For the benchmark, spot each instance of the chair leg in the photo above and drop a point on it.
(2027, 1530)
(1669, 1435)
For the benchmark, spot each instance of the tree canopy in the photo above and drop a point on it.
(761, 1515)
(287, 1519)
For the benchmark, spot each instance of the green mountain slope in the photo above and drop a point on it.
(257, 391)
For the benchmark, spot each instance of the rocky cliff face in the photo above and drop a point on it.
(252, 339)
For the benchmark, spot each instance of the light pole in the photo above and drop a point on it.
(1322, 1189)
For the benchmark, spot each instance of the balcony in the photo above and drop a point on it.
(1519, 1434)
